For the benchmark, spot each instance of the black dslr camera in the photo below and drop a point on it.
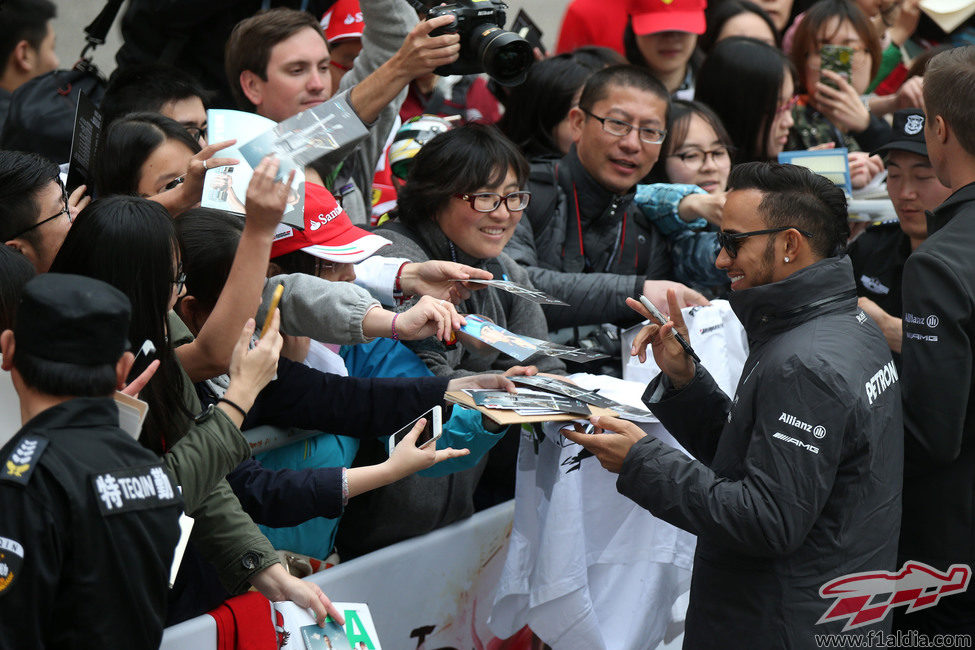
(485, 46)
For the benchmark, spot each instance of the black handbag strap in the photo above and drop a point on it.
(97, 31)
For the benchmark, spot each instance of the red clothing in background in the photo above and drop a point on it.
(593, 22)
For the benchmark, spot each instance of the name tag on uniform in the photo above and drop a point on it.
(133, 488)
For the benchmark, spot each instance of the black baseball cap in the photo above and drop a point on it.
(72, 319)
(907, 133)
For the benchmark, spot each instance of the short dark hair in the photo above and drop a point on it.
(949, 91)
(458, 161)
(534, 108)
(741, 80)
(65, 379)
(719, 14)
(806, 38)
(208, 240)
(681, 111)
(22, 177)
(621, 75)
(23, 20)
(15, 271)
(249, 46)
(147, 87)
(129, 141)
(794, 196)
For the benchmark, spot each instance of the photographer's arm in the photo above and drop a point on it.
(419, 55)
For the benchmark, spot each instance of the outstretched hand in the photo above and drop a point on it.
(429, 317)
(276, 584)
(610, 448)
(408, 459)
(667, 352)
(266, 198)
(437, 278)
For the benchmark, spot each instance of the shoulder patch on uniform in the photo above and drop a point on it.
(20, 464)
(133, 488)
(11, 559)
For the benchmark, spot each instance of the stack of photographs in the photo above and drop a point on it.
(589, 397)
(529, 402)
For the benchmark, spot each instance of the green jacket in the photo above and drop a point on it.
(213, 446)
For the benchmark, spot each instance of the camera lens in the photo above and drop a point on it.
(504, 55)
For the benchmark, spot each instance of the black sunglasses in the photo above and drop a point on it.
(732, 241)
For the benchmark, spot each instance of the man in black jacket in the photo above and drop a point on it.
(88, 516)
(796, 481)
(938, 351)
(582, 238)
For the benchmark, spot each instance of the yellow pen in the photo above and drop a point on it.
(275, 299)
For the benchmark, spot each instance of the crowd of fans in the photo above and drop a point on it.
(615, 170)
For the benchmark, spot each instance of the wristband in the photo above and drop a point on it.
(393, 327)
(233, 405)
(397, 286)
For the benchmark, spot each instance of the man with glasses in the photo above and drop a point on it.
(583, 239)
(157, 88)
(796, 480)
(34, 215)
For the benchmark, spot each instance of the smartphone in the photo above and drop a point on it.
(839, 59)
(431, 431)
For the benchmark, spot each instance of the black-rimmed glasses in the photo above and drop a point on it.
(489, 201)
(40, 223)
(198, 132)
(619, 128)
(732, 241)
(695, 158)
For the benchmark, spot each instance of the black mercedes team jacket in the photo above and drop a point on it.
(939, 394)
(797, 480)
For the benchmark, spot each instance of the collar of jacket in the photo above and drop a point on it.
(594, 199)
(441, 248)
(944, 212)
(77, 413)
(824, 286)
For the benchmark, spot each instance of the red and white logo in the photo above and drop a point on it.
(865, 598)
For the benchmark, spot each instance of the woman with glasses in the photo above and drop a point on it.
(462, 201)
(152, 156)
(830, 110)
(687, 196)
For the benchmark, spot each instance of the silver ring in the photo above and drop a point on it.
(205, 166)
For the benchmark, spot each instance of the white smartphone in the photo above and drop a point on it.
(431, 431)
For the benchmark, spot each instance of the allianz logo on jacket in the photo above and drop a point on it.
(794, 421)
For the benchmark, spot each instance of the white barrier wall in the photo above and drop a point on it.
(434, 591)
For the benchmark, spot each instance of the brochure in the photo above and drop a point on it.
(330, 130)
(84, 144)
(225, 188)
(301, 632)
